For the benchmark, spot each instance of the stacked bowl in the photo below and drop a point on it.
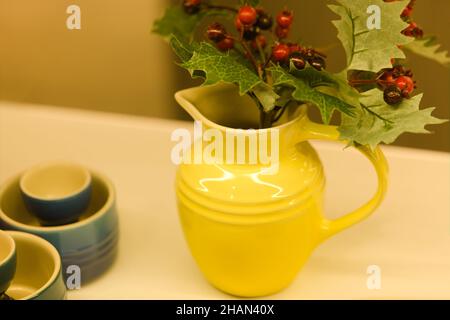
(72, 208)
(30, 268)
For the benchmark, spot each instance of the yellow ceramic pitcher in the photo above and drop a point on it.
(250, 228)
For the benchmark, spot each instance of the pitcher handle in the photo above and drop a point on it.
(315, 131)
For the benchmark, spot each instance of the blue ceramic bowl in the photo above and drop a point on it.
(57, 193)
(38, 272)
(7, 261)
(91, 243)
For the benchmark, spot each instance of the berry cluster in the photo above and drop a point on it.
(254, 26)
(397, 84)
(251, 23)
(284, 22)
(413, 30)
(299, 56)
(218, 34)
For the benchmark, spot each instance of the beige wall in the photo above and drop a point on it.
(111, 64)
(114, 64)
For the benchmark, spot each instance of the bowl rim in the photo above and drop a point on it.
(45, 165)
(50, 248)
(12, 252)
(55, 229)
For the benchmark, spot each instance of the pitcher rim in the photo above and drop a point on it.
(193, 111)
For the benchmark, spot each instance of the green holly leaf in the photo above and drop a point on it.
(183, 49)
(177, 22)
(370, 50)
(326, 103)
(332, 84)
(313, 77)
(266, 96)
(428, 48)
(218, 66)
(343, 90)
(378, 122)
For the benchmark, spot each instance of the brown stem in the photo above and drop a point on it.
(262, 54)
(267, 62)
(281, 113)
(269, 79)
(250, 55)
(220, 7)
(358, 82)
(369, 81)
(266, 119)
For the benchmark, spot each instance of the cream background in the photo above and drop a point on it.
(408, 237)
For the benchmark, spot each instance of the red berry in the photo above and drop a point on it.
(412, 25)
(280, 52)
(406, 94)
(282, 33)
(393, 95)
(285, 18)
(407, 12)
(192, 6)
(216, 32)
(397, 71)
(405, 84)
(295, 48)
(410, 29)
(309, 53)
(389, 79)
(226, 44)
(265, 22)
(259, 42)
(386, 78)
(418, 33)
(247, 15)
(413, 31)
(318, 63)
(298, 60)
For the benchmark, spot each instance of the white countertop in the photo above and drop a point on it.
(408, 237)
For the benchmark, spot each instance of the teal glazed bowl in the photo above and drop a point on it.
(38, 272)
(57, 193)
(7, 261)
(90, 243)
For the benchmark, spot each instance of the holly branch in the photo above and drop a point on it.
(258, 57)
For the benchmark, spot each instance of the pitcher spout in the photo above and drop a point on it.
(219, 106)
